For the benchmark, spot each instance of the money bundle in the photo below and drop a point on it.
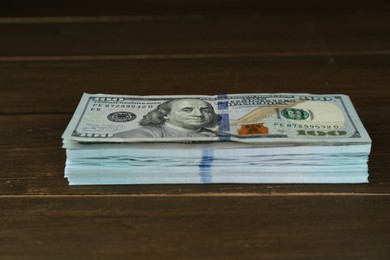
(235, 138)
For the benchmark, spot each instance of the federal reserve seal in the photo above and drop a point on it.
(295, 114)
(121, 116)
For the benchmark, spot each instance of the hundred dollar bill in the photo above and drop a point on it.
(251, 118)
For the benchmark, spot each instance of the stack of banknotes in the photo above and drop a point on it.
(235, 138)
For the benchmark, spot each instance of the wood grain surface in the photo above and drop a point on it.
(53, 51)
(237, 227)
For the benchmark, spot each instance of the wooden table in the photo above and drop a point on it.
(52, 52)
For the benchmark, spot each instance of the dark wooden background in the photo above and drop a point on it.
(53, 51)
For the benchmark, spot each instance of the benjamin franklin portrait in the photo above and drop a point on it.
(176, 118)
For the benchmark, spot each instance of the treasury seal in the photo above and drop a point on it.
(295, 114)
(121, 116)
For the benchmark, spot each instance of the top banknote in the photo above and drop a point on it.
(250, 118)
